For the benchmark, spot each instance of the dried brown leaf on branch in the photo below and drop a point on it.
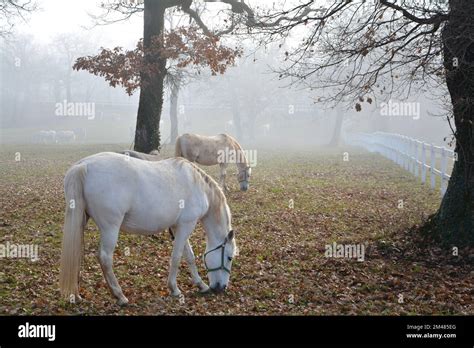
(184, 46)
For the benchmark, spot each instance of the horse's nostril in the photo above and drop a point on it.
(218, 288)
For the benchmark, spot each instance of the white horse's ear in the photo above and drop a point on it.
(230, 236)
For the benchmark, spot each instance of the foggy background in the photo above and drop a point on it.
(249, 101)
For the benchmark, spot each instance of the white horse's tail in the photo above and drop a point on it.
(71, 254)
(178, 152)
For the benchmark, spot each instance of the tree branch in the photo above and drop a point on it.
(436, 19)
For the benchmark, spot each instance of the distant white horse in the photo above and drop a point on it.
(220, 149)
(64, 137)
(46, 137)
(144, 197)
(80, 134)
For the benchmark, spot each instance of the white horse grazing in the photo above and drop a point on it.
(64, 137)
(220, 149)
(144, 197)
(46, 137)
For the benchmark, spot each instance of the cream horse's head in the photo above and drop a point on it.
(243, 176)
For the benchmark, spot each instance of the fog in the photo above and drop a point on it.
(249, 101)
(340, 189)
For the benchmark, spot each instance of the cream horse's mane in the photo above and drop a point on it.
(237, 147)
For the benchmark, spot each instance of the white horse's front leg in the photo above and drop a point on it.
(181, 235)
(191, 260)
(223, 167)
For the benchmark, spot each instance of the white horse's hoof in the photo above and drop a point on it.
(79, 299)
(74, 299)
(122, 301)
(203, 288)
(176, 293)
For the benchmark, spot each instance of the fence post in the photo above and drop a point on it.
(399, 150)
(423, 163)
(402, 151)
(407, 153)
(433, 163)
(444, 165)
(393, 148)
(416, 169)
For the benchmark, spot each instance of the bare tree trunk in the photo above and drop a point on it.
(174, 112)
(147, 132)
(57, 90)
(336, 135)
(455, 218)
(236, 118)
(68, 87)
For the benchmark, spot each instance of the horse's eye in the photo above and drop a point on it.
(229, 258)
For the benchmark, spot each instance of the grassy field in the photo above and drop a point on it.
(282, 268)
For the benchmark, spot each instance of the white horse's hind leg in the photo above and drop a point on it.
(108, 241)
(181, 235)
(191, 260)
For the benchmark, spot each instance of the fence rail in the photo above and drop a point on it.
(409, 153)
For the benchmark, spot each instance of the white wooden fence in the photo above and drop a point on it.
(410, 154)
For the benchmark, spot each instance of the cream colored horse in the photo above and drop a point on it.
(220, 149)
(122, 193)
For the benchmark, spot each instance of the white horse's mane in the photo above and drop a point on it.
(214, 192)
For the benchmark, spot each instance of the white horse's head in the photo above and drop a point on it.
(244, 177)
(218, 262)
